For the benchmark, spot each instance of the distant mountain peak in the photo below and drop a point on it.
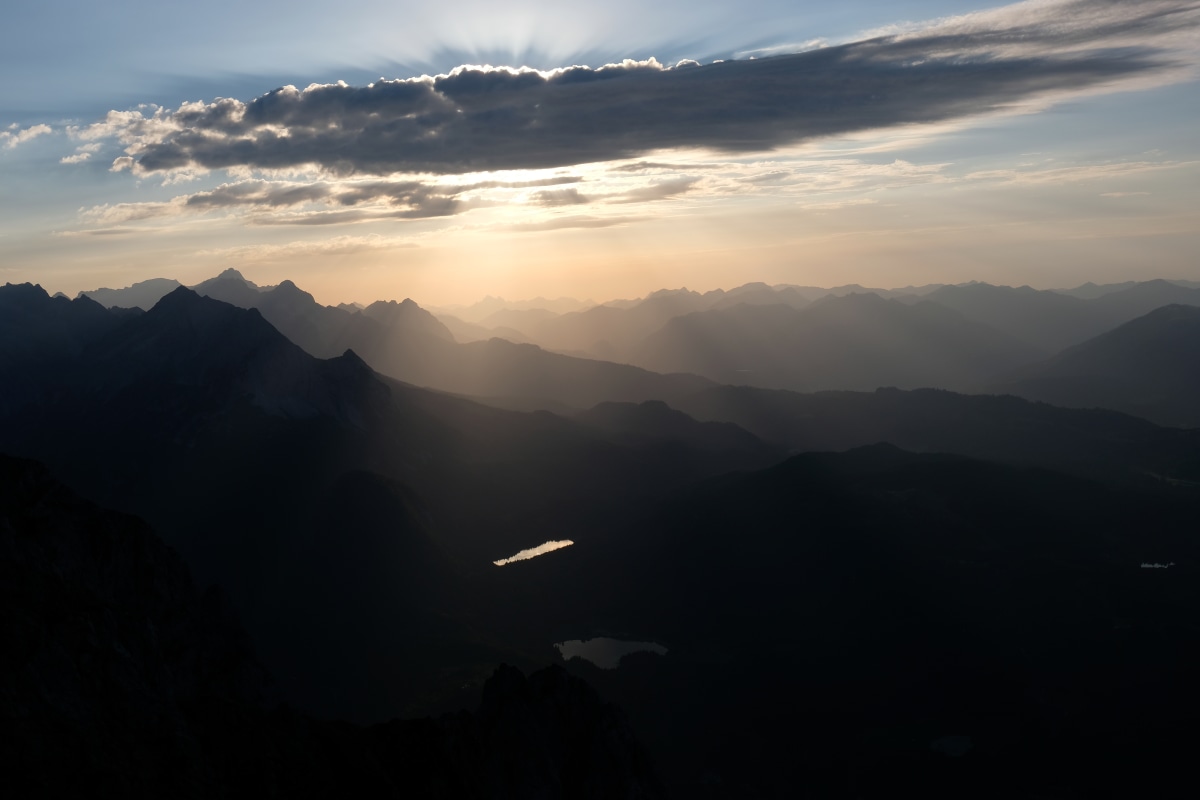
(181, 297)
(231, 274)
(290, 290)
(407, 302)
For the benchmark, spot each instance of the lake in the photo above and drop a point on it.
(534, 552)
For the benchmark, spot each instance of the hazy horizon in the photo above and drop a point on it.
(539, 300)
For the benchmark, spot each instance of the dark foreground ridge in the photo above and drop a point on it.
(122, 679)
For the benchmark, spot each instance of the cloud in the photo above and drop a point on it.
(648, 166)
(340, 201)
(118, 213)
(82, 153)
(337, 202)
(481, 118)
(559, 197)
(257, 193)
(577, 221)
(1082, 172)
(834, 205)
(116, 231)
(336, 245)
(16, 136)
(806, 178)
(658, 191)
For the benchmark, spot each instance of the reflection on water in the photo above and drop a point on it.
(533, 552)
(606, 653)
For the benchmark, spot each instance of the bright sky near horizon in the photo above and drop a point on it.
(891, 143)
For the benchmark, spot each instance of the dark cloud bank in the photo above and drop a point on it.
(476, 119)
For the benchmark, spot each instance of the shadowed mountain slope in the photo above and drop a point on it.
(1100, 444)
(216, 353)
(1144, 297)
(605, 331)
(39, 334)
(615, 331)
(858, 341)
(1149, 367)
(122, 679)
(1046, 320)
(497, 368)
(656, 425)
(879, 616)
(464, 331)
(35, 327)
(1053, 320)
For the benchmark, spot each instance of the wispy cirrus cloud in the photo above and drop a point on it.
(336, 245)
(573, 221)
(1055, 175)
(481, 118)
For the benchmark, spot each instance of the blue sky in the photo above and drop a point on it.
(886, 143)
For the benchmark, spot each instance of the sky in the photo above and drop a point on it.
(380, 150)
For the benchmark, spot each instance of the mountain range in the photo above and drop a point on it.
(845, 588)
(970, 337)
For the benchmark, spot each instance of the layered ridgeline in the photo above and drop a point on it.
(861, 615)
(122, 679)
(858, 341)
(1043, 321)
(1052, 321)
(615, 329)
(971, 337)
(404, 341)
(966, 338)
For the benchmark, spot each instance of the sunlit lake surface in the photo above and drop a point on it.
(606, 653)
(533, 552)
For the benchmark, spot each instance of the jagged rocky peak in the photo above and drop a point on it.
(23, 291)
(408, 315)
(391, 305)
